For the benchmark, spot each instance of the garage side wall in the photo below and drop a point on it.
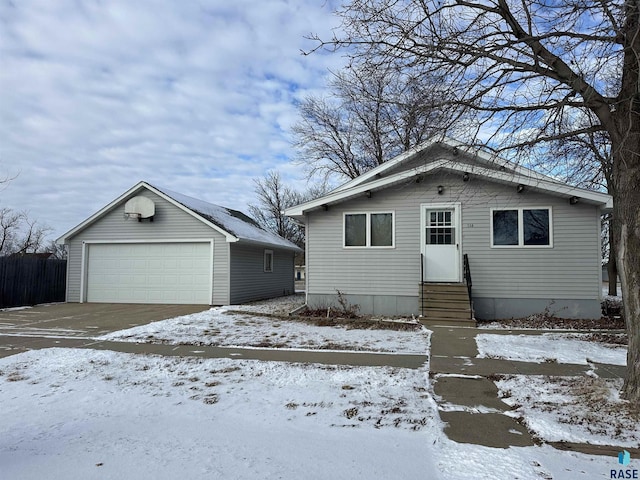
(250, 282)
(169, 223)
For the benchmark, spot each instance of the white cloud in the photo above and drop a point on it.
(195, 96)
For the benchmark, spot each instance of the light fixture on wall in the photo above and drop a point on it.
(325, 207)
(520, 188)
(440, 189)
(368, 193)
(573, 200)
(465, 177)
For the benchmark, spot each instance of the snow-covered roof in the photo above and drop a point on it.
(233, 224)
(231, 221)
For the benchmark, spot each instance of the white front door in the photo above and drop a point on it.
(441, 242)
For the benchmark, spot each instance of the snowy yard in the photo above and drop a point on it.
(73, 413)
(555, 347)
(572, 409)
(221, 327)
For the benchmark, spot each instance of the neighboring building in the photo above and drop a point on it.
(440, 214)
(152, 245)
(299, 272)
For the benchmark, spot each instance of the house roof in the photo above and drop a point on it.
(233, 224)
(490, 167)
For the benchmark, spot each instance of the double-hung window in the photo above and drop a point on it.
(370, 229)
(521, 227)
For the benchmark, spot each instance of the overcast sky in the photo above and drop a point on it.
(196, 96)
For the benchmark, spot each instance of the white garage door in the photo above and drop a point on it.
(149, 273)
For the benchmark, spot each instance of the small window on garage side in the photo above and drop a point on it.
(268, 260)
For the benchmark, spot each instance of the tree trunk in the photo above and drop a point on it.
(627, 232)
(612, 269)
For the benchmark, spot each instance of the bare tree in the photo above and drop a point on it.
(9, 225)
(585, 161)
(273, 198)
(373, 114)
(57, 251)
(19, 234)
(532, 73)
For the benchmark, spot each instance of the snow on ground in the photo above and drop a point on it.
(220, 327)
(605, 291)
(71, 413)
(108, 415)
(572, 409)
(563, 348)
(278, 305)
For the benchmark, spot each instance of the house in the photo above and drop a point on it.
(299, 272)
(153, 245)
(448, 233)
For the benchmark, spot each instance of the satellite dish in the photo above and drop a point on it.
(140, 207)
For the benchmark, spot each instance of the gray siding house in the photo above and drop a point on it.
(152, 245)
(424, 232)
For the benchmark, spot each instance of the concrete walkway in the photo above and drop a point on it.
(12, 345)
(468, 400)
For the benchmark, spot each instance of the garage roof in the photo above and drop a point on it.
(233, 224)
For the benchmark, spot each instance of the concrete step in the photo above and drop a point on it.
(451, 297)
(446, 322)
(446, 303)
(462, 314)
(444, 287)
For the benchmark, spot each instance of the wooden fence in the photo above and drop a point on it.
(29, 281)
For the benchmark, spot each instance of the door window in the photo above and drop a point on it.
(440, 229)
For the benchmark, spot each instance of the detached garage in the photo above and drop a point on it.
(152, 245)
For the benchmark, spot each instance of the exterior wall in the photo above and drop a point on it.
(169, 223)
(504, 279)
(250, 282)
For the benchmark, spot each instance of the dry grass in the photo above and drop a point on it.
(550, 322)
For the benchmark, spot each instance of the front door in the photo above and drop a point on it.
(441, 242)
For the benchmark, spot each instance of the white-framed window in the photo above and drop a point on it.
(521, 227)
(369, 230)
(268, 260)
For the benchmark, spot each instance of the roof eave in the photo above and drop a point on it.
(535, 181)
(275, 246)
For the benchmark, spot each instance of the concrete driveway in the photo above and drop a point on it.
(74, 323)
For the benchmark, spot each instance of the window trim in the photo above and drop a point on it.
(264, 261)
(368, 229)
(521, 226)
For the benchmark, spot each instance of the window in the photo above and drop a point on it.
(521, 227)
(268, 260)
(440, 229)
(368, 229)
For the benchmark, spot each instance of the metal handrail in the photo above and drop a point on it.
(467, 278)
(421, 296)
